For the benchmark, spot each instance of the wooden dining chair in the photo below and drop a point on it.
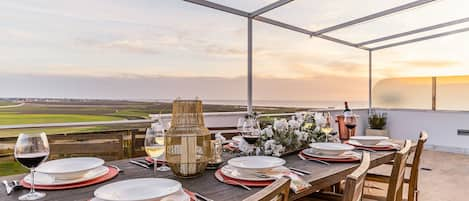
(412, 181)
(353, 185)
(277, 191)
(396, 180)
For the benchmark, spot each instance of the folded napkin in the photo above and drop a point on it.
(297, 184)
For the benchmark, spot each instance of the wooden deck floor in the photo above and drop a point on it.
(447, 181)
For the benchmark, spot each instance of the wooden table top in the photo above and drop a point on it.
(321, 177)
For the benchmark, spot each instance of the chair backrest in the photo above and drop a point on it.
(277, 191)
(354, 182)
(108, 146)
(396, 182)
(414, 172)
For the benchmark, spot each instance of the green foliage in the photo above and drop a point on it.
(377, 120)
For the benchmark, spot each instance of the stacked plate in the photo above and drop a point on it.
(373, 142)
(68, 171)
(144, 189)
(332, 152)
(254, 168)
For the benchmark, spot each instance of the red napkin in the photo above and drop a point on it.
(150, 160)
(108, 176)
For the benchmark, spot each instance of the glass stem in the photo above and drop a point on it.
(33, 171)
(155, 165)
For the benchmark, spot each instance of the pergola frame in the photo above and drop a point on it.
(256, 15)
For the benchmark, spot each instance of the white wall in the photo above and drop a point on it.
(441, 126)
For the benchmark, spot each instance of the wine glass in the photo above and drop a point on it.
(31, 150)
(155, 145)
(326, 127)
(250, 132)
(350, 121)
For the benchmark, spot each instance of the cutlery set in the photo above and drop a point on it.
(11, 186)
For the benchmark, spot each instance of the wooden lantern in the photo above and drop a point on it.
(187, 140)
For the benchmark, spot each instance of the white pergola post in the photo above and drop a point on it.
(370, 80)
(249, 65)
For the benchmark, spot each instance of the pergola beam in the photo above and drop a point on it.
(305, 31)
(375, 15)
(421, 38)
(219, 7)
(269, 7)
(415, 31)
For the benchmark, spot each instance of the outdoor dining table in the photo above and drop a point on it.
(321, 177)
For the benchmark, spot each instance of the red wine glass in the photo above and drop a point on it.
(30, 151)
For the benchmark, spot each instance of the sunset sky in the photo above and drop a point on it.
(165, 49)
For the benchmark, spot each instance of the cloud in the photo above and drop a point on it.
(431, 63)
(168, 87)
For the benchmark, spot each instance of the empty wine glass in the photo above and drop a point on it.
(31, 150)
(155, 145)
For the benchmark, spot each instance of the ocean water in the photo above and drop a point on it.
(293, 103)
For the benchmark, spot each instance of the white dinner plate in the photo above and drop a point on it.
(256, 162)
(144, 189)
(48, 180)
(176, 197)
(252, 175)
(331, 148)
(369, 140)
(348, 154)
(379, 145)
(70, 168)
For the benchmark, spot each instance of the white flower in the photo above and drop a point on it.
(268, 145)
(269, 132)
(319, 119)
(281, 124)
(278, 150)
(294, 124)
(245, 147)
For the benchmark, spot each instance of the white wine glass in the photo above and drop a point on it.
(155, 145)
(327, 127)
(30, 151)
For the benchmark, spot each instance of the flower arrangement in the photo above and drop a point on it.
(286, 136)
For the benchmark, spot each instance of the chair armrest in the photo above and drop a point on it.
(381, 178)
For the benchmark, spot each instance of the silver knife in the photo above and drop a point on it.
(7, 186)
(315, 160)
(299, 170)
(199, 196)
(139, 164)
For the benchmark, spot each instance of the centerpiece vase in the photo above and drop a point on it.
(187, 140)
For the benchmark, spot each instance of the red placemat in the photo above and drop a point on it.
(150, 160)
(228, 180)
(336, 160)
(385, 148)
(108, 176)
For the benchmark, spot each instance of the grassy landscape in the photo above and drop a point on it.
(65, 111)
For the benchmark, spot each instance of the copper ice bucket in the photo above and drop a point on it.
(344, 132)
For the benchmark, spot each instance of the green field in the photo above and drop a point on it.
(6, 103)
(11, 119)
